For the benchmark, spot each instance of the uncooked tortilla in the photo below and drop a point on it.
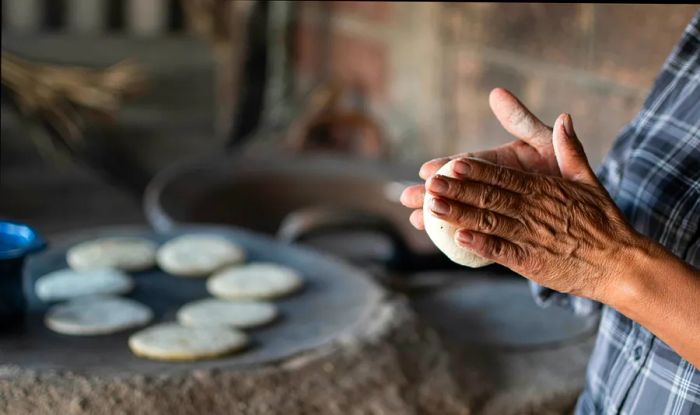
(254, 281)
(123, 253)
(67, 283)
(173, 342)
(442, 233)
(233, 313)
(198, 255)
(86, 316)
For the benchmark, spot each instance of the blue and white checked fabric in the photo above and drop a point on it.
(653, 174)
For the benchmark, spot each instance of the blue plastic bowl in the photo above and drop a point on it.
(16, 242)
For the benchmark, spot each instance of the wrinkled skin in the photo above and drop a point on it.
(561, 234)
(533, 205)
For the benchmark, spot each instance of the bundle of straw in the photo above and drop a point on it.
(62, 97)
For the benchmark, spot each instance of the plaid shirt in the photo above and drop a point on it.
(653, 174)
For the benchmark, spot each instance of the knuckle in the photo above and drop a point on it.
(487, 221)
(459, 192)
(495, 247)
(486, 196)
(502, 176)
(464, 217)
(493, 198)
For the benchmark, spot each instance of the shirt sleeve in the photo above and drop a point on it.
(545, 297)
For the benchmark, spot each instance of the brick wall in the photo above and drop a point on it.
(427, 68)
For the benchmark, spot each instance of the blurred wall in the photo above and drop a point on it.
(428, 67)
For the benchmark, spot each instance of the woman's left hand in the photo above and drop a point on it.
(562, 232)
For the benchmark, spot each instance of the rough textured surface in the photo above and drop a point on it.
(393, 365)
(500, 382)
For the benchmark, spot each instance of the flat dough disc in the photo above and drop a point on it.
(216, 312)
(124, 253)
(254, 281)
(86, 316)
(442, 233)
(198, 255)
(66, 284)
(173, 342)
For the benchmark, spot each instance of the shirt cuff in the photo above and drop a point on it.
(545, 297)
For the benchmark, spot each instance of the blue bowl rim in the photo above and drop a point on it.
(31, 241)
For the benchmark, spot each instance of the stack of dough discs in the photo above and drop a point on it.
(173, 342)
(124, 253)
(198, 255)
(67, 283)
(215, 312)
(254, 281)
(442, 233)
(87, 316)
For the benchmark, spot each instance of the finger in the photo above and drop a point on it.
(503, 177)
(517, 119)
(491, 247)
(492, 155)
(430, 167)
(412, 196)
(416, 219)
(568, 150)
(471, 218)
(476, 194)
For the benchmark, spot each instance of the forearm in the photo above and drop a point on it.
(662, 293)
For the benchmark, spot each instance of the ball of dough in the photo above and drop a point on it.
(198, 255)
(123, 253)
(442, 233)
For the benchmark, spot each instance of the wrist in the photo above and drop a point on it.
(628, 283)
(637, 281)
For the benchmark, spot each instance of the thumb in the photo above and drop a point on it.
(568, 151)
(518, 120)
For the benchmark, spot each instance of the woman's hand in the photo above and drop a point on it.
(562, 232)
(532, 151)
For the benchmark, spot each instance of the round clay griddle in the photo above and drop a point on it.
(336, 298)
(497, 310)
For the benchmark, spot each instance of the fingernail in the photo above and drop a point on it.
(464, 237)
(424, 167)
(438, 185)
(439, 206)
(461, 167)
(569, 126)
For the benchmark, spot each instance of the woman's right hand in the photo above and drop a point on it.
(532, 151)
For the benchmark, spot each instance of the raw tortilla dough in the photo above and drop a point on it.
(66, 284)
(254, 281)
(442, 233)
(216, 312)
(198, 255)
(173, 342)
(98, 314)
(124, 253)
